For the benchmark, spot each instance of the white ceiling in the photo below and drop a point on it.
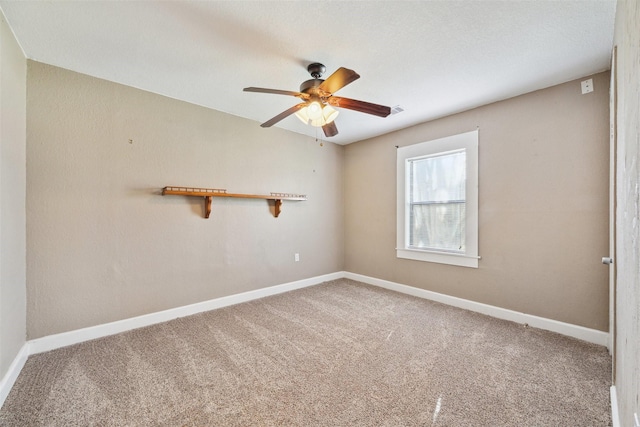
(432, 58)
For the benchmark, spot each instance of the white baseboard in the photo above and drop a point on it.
(615, 417)
(575, 331)
(52, 342)
(12, 374)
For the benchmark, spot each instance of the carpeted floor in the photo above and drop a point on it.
(337, 354)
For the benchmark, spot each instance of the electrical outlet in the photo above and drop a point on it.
(296, 257)
(587, 86)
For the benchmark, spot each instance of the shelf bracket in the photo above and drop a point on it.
(277, 207)
(207, 206)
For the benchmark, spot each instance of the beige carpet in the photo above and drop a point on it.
(338, 354)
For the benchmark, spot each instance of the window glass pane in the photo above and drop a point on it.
(439, 226)
(439, 178)
(437, 202)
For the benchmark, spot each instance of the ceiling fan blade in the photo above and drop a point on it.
(282, 115)
(361, 106)
(330, 129)
(339, 79)
(276, 92)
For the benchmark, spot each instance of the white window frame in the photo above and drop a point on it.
(466, 141)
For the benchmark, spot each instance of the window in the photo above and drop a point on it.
(438, 200)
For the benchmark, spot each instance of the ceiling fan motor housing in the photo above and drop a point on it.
(311, 86)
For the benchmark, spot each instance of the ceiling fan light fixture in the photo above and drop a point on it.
(315, 114)
(314, 110)
(319, 122)
(329, 114)
(303, 115)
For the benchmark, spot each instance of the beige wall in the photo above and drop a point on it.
(543, 206)
(104, 245)
(13, 79)
(627, 39)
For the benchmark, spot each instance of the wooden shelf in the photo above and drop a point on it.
(210, 193)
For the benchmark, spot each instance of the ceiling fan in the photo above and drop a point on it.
(318, 98)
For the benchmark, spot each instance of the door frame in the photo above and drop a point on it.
(613, 131)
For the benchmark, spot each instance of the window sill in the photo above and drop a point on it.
(461, 260)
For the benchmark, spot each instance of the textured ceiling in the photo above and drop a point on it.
(432, 58)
